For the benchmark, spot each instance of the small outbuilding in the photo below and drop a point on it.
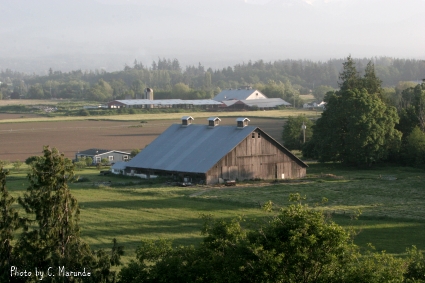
(212, 153)
(118, 167)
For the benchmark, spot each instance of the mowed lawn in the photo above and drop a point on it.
(392, 200)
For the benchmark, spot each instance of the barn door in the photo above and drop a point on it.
(279, 172)
(276, 170)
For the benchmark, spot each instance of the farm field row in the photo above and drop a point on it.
(392, 200)
(28, 118)
(20, 140)
(30, 102)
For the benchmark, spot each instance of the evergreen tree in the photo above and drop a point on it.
(55, 239)
(370, 81)
(356, 127)
(349, 77)
(9, 223)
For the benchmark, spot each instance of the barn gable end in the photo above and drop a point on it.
(258, 156)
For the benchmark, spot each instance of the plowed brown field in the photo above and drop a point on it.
(21, 140)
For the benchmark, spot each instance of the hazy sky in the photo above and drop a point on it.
(90, 34)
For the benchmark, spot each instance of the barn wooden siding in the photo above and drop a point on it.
(257, 156)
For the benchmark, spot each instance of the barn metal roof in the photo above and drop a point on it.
(193, 149)
(119, 165)
(167, 102)
(268, 103)
(203, 102)
(94, 151)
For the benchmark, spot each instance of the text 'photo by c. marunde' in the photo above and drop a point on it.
(39, 274)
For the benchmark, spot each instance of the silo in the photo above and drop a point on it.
(149, 93)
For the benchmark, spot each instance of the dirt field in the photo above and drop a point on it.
(4, 116)
(21, 140)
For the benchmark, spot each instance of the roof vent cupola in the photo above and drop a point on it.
(242, 122)
(187, 120)
(213, 121)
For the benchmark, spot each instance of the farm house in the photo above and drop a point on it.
(212, 153)
(98, 154)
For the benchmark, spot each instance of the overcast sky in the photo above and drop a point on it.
(89, 34)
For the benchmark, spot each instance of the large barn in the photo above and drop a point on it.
(243, 93)
(212, 153)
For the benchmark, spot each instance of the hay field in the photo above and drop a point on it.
(163, 116)
(30, 102)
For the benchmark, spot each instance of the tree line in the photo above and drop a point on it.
(283, 78)
(363, 125)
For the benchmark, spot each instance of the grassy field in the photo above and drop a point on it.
(277, 114)
(30, 102)
(307, 97)
(392, 200)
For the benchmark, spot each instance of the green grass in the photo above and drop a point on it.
(131, 209)
(392, 200)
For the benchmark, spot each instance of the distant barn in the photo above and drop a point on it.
(248, 98)
(243, 93)
(212, 154)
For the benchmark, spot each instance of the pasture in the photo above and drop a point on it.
(392, 201)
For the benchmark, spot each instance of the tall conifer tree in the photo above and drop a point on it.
(9, 223)
(55, 239)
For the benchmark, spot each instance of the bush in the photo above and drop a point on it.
(17, 165)
(80, 165)
(84, 112)
(292, 133)
(415, 148)
(298, 244)
(4, 163)
(32, 159)
(83, 179)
